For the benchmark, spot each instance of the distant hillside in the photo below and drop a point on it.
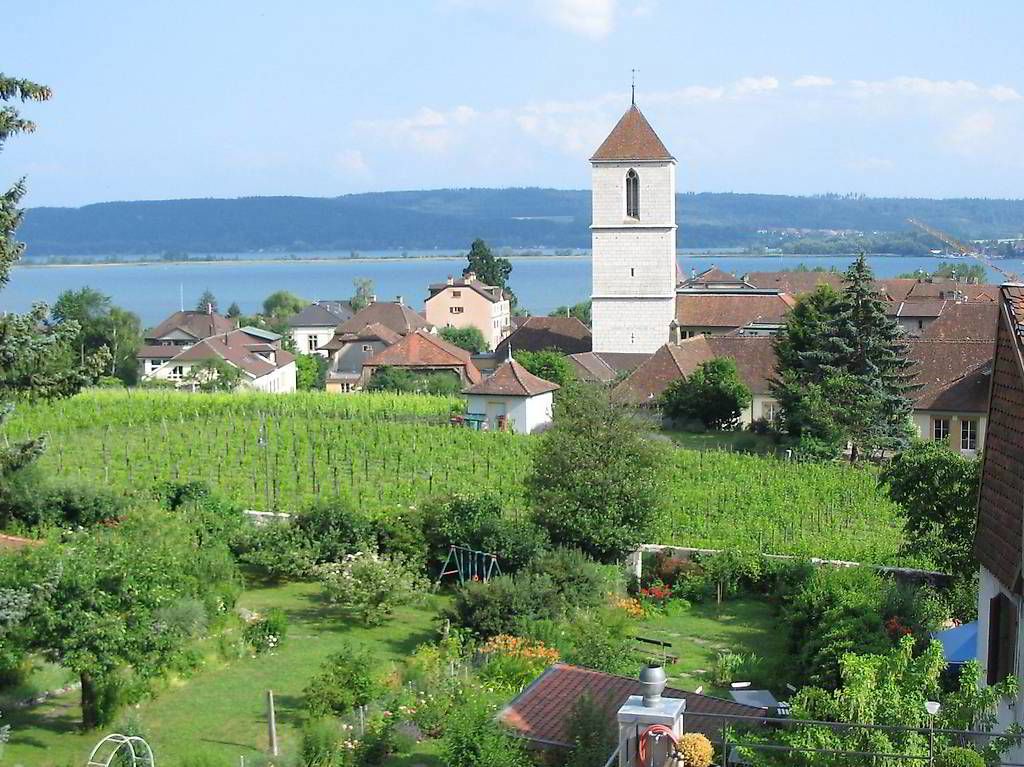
(451, 218)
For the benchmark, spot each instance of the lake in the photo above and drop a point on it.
(542, 283)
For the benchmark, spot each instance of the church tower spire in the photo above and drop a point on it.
(633, 238)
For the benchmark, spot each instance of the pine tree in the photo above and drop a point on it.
(207, 302)
(36, 360)
(843, 372)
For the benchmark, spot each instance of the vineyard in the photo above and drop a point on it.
(274, 452)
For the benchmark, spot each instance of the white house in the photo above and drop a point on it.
(179, 331)
(512, 398)
(263, 364)
(633, 238)
(1000, 535)
(314, 326)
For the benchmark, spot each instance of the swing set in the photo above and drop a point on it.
(469, 564)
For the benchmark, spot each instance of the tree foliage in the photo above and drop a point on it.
(101, 325)
(596, 482)
(938, 490)
(592, 741)
(207, 302)
(488, 268)
(105, 614)
(842, 371)
(713, 394)
(469, 338)
(282, 304)
(891, 688)
(310, 372)
(548, 364)
(581, 311)
(362, 293)
(214, 374)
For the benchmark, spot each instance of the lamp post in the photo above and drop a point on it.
(932, 707)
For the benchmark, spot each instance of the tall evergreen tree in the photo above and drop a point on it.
(488, 268)
(35, 360)
(207, 302)
(843, 371)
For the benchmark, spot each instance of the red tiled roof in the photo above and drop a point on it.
(512, 380)
(541, 712)
(563, 334)
(422, 349)
(196, 324)
(896, 288)
(632, 138)
(732, 309)
(157, 352)
(916, 307)
(372, 332)
(952, 375)
(973, 321)
(604, 367)
(714, 276)
(491, 293)
(392, 315)
(794, 283)
(754, 357)
(997, 542)
(235, 348)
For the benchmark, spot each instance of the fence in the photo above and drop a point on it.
(734, 741)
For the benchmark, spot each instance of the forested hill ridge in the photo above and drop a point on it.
(450, 218)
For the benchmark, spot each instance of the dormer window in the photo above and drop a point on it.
(632, 194)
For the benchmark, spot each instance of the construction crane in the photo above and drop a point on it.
(961, 248)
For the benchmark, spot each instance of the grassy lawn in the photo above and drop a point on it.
(220, 710)
(698, 634)
(742, 441)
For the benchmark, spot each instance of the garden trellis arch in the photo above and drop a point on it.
(469, 564)
(115, 744)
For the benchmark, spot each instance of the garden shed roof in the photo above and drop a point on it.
(512, 380)
(541, 712)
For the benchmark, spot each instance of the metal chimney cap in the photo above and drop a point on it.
(653, 680)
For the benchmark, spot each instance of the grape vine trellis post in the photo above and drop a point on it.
(264, 442)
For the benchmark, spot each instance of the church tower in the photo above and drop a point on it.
(633, 238)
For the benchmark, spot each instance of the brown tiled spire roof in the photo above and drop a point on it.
(512, 380)
(632, 138)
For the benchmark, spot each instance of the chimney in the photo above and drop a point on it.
(676, 333)
(373, 299)
(650, 717)
(399, 300)
(209, 308)
(451, 280)
(693, 273)
(469, 276)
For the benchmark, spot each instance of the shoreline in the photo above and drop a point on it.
(458, 257)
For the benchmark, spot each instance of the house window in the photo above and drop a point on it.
(770, 411)
(632, 194)
(456, 294)
(1002, 638)
(969, 434)
(632, 272)
(455, 309)
(940, 429)
(367, 348)
(178, 371)
(632, 338)
(920, 324)
(312, 343)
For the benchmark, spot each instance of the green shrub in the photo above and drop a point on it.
(32, 499)
(320, 743)
(592, 739)
(507, 604)
(266, 632)
(473, 738)
(580, 582)
(602, 640)
(345, 680)
(399, 533)
(736, 667)
(371, 586)
(959, 757)
(378, 741)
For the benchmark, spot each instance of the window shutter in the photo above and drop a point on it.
(994, 605)
(1008, 638)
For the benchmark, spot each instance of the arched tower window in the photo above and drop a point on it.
(632, 194)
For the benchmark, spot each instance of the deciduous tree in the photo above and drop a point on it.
(469, 338)
(596, 482)
(549, 365)
(712, 394)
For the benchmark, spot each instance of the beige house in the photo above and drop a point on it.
(466, 302)
(177, 333)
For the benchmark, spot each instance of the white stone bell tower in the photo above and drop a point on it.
(633, 238)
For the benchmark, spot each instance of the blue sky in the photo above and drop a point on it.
(223, 98)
